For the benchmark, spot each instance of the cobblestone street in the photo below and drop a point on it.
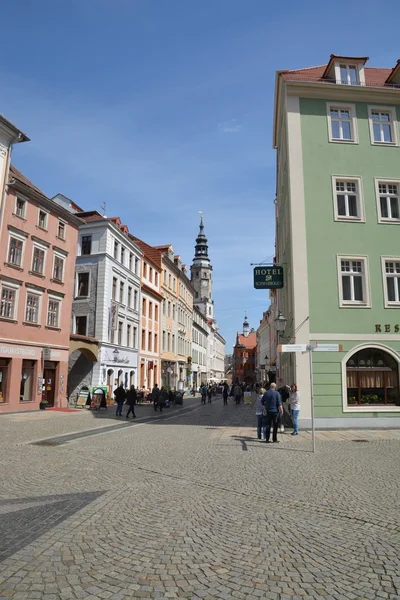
(189, 504)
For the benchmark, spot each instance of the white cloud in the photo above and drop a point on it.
(231, 126)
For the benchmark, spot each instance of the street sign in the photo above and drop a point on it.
(268, 278)
(329, 348)
(292, 348)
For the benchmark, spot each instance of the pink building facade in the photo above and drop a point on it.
(38, 241)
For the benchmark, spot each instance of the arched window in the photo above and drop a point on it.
(372, 378)
(110, 374)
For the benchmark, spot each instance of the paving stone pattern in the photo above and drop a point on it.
(193, 506)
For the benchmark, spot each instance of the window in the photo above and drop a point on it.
(174, 286)
(349, 75)
(383, 125)
(20, 206)
(173, 343)
(134, 343)
(15, 252)
(4, 365)
(347, 199)
(342, 123)
(86, 244)
(58, 268)
(42, 219)
(128, 335)
(155, 349)
(32, 308)
(388, 201)
(114, 288)
(169, 342)
(52, 313)
(116, 249)
(151, 274)
(122, 255)
(150, 310)
(165, 277)
(121, 291)
(392, 281)
(81, 325)
(38, 260)
(143, 339)
(156, 278)
(169, 309)
(61, 227)
(169, 281)
(144, 307)
(163, 341)
(135, 299)
(149, 347)
(163, 307)
(353, 281)
(83, 285)
(27, 381)
(130, 261)
(137, 266)
(7, 303)
(129, 297)
(372, 377)
(156, 312)
(145, 270)
(174, 312)
(120, 327)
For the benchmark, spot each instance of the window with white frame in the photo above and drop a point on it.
(388, 201)
(8, 298)
(135, 299)
(349, 74)
(392, 281)
(42, 219)
(383, 125)
(353, 281)
(38, 260)
(32, 308)
(58, 268)
(61, 229)
(347, 198)
(53, 312)
(20, 208)
(15, 251)
(134, 342)
(342, 123)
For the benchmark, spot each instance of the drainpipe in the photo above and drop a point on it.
(6, 172)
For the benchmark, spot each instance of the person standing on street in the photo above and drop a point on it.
(237, 392)
(260, 413)
(209, 393)
(225, 393)
(294, 400)
(162, 397)
(284, 391)
(272, 402)
(155, 396)
(120, 395)
(131, 399)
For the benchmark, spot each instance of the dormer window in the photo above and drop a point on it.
(349, 75)
(346, 70)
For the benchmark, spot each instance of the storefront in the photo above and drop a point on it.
(29, 374)
(116, 366)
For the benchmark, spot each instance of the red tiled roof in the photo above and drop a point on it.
(150, 252)
(90, 216)
(16, 174)
(374, 77)
(249, 342)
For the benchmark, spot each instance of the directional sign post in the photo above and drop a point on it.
(310, 348)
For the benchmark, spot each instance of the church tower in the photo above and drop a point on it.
(201, 275)
(246, 326)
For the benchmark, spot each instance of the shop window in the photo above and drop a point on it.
(27, 381)
(4, 366)
(372, 378)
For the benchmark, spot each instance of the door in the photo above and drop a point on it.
(49, 386)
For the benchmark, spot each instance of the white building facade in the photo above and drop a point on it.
(200, 332)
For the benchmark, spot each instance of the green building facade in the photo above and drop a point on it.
(336, 132)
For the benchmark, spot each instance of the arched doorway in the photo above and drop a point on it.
(372, 378)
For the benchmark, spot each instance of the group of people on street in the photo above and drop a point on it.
(123, 396)
(270, 412)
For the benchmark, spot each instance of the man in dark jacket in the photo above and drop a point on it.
(131, 399)
(273, 405)
(155, 396)
(120, 396)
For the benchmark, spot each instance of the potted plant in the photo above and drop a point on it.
(43, 404)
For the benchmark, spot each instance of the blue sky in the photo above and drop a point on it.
(161, 108)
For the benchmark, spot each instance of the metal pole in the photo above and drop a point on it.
(312, 400)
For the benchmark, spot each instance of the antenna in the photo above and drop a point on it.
(103, 207)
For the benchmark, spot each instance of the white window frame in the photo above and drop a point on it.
(54, 299)
(65, 229)
(360, 199)
(56, 254)
(39, 295)
(366, 303)
(359, 68)
(353, 118)
(77, 285)
(15, 289)
(392, 111)
(87, 324)
(21, 239)
(43, 210)
(43, 249)
(381, 219)
(384, 260)
(19, 199)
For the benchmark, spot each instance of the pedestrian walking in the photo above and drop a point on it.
(209, 393)
(225, 393)
(203, 391)
(284, 391)
(261, 422)
(162, 398)
(131, 400)
(294, 400)
(155, 395)
(120, 396)
(237, 392)
(272, 402)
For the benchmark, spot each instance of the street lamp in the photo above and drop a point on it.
(280, 323)
(116, 354)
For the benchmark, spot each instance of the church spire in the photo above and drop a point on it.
(245, 326)
(201, 247)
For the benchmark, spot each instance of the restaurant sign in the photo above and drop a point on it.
(387, 328)
(268, 278)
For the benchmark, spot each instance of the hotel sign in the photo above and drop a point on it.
(268, 278)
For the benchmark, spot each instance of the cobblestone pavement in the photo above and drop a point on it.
(189, 504)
